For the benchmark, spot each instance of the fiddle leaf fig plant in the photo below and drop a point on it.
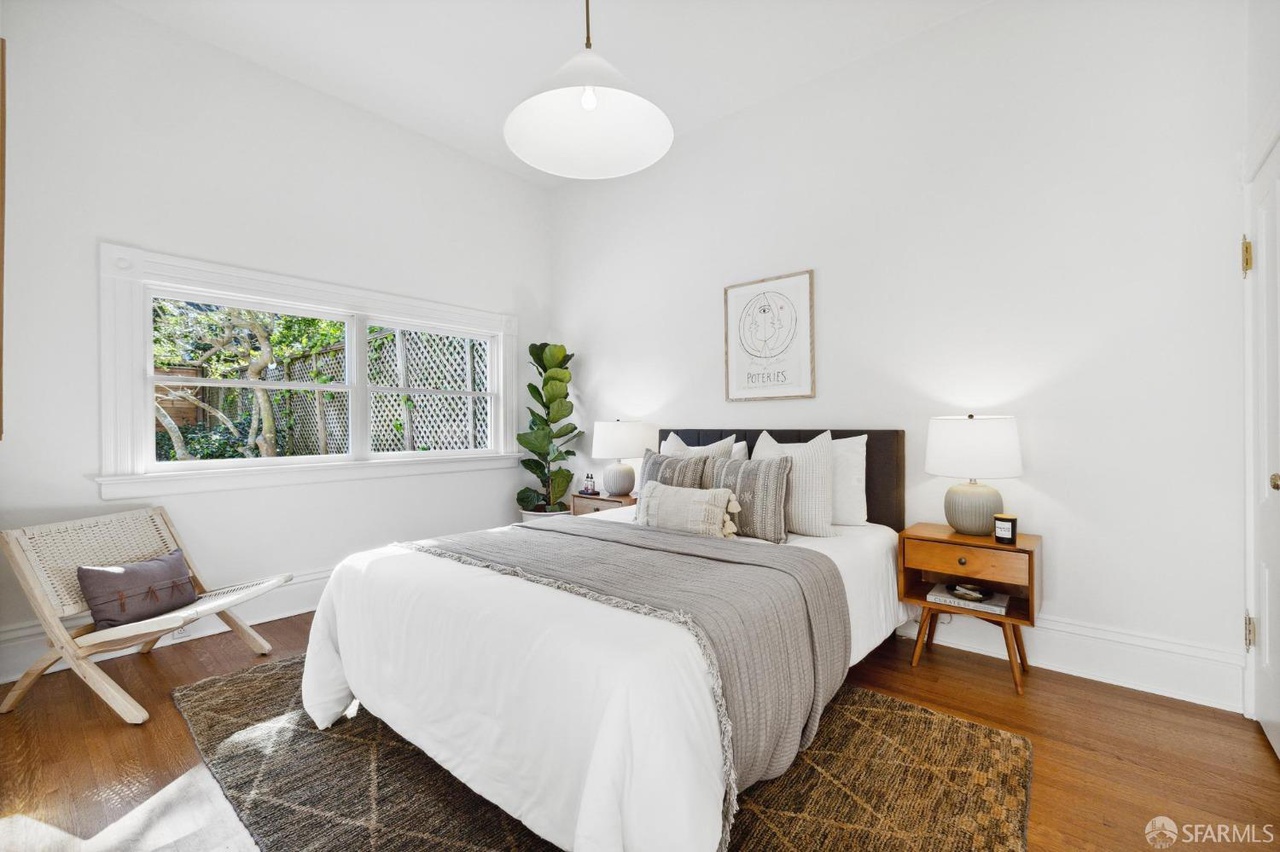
(549, 432)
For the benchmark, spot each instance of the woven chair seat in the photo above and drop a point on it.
(46, 560)
(209, 603)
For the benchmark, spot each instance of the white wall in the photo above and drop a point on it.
(1033, 210)
(120, 130)
(1263, 82)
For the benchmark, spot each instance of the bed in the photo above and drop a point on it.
(598, 727)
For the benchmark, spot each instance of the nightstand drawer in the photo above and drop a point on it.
(978, 563)
(587, 505)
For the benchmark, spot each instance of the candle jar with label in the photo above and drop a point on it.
(1006, 529)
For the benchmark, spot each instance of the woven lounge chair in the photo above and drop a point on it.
(45, 559)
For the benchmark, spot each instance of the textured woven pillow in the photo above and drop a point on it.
(809, 496)
(727, 448)
(123, 594)
(679, 472)
(761, 489)
(686, 510)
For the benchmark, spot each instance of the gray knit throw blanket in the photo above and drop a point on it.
(770, 620)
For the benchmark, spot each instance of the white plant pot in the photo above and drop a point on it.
(535, 517)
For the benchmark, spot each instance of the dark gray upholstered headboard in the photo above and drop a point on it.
(886, 462)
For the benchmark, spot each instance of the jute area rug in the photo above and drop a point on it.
(881, 775)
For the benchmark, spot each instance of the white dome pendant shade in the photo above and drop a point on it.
(586, 124)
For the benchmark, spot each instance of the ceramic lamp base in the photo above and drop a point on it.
(620, 479)
(971, 508)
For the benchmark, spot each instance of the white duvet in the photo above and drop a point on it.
(592, 725)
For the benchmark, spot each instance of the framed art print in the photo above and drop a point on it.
(768, 338)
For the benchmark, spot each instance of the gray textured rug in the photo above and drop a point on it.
(881, 775)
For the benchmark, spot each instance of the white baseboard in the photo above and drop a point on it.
(1195, 673)
(22, 644)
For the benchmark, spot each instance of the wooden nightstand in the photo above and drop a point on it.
(584, 505)
(935, 553)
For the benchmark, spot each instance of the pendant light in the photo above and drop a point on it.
(587, 124)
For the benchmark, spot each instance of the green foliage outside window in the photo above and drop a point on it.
(217, 341)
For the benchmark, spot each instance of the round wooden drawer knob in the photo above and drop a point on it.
(963, 561)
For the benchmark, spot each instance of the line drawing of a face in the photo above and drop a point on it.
(767, 324)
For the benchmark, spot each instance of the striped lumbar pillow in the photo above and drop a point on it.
(809, 487)
(761, 489)
(687, 510)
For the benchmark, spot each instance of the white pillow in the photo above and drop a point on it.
(849, 485)
(696, 511)
(675, 446)
(809, 491)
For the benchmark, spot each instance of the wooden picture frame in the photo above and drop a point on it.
(768, 338)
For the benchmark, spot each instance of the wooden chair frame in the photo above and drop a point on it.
(54, 598)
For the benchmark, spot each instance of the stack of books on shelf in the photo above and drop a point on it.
(997, 603)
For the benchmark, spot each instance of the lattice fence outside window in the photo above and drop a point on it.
(430, 391)
(318, 419)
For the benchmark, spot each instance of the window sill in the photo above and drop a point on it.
(232, 479)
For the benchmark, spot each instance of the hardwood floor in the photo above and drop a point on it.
(67, 760)
(1106, 759)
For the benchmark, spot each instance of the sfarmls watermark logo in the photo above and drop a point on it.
(1163, 832)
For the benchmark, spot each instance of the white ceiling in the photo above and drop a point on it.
(453, 69)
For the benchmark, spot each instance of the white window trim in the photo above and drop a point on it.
(131, 277)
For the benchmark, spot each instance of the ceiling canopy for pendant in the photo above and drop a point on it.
(586, 123)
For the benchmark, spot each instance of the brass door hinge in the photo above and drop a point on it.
(1246, 255)
(1250, 631)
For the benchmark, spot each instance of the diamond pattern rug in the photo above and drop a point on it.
(881, 775)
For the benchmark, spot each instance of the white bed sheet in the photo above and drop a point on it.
(592, 725)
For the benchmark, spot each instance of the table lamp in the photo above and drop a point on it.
(621, 439)
(973, 447)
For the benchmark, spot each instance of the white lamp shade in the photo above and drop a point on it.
(973, 447)
(622, 439)
(586, 124)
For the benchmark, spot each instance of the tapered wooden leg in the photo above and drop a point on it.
(108, 690)
(926, 615)
(29, 678)
(933, 628)
(1022, 649)
(245, 632)
(148, 645)
(1011, 648)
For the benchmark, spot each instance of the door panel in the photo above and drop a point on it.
(1264, 355)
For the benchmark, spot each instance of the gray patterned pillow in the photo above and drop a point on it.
(761, 489)
(685, 472)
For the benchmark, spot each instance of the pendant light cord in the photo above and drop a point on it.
(588, 24)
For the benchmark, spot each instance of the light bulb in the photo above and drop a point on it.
(589, 99)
